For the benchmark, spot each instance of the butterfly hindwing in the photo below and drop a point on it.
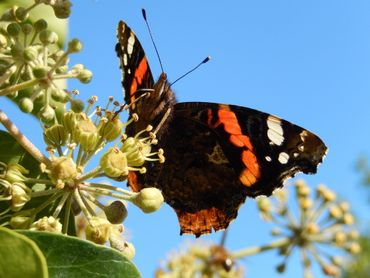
(216, 155)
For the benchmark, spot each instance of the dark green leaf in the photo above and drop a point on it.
(20, 256)
(72, 257)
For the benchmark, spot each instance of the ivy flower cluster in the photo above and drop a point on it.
(321, 227)
(322, 224)
(64, 184)
(201, 259)
(32, 62)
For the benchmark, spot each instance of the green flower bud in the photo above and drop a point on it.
(85, 133)
(49, 224)
(114, 163)
(47, 113)
(30, 54)
(62, 8)
(85, 76)
(61, 69)
(303, 190)
(98, 230)
(27, 28)
(77, 105)
(13, 29)
(111, 129)
(9, 15)
(14, 173)
(48, 37)
(149, 199)
(26, 105)
(20, 222)
(116, 212)
(59, 95)
(40, 25)
(337, 261)
(353, 235)
(281, 268)
(20, 196)
(21, 14)
(17, 51)
(74, 46)
(136, 151)
(39, 71)
(56, 135)
(63, 169)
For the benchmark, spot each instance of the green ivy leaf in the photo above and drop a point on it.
(20, 256)
(12, 152)
(72, 257)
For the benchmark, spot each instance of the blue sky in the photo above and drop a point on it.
(305, 61)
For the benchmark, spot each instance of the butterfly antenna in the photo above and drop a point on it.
(151, 37)
(193, 69)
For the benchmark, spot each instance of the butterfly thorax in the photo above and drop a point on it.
(153, 104)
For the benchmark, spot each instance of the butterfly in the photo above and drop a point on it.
(216, 154)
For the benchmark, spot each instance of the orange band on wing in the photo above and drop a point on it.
(231, 126)
(140, 72)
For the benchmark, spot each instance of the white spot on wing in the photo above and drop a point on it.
(268, 158)
(130, 44)
(125, 59)
(275, 132)
(283, 158)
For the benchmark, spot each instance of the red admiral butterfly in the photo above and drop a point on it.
(216, 154)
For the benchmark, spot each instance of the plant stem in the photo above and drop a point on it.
(23, 140)
(19, 87)
(258, 249)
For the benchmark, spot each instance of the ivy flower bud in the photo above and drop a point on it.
(49, 224)
(74, 46)
(63, 169)
(56, 135)
(30, 54)
(16, 51)
(339, 238)
(20, 222)
(13, 29)
(21, 14)
(9, 15)
(114, 163)
(27, 28)
(47, 113)
(281, 268)
(62, 8)
(348, 219)
(48, 37)
(116, 212)
(264, 204)
(26, 105)
(354, 248)
(77, 105)
(149, 199)
(335, 212)
(84, 76)
(59, 95)
(85, 133)
(111, 129)
(20, 196)
(39, 71)
(98, 230)
(14, 173)
(40, 25)
(330, 270)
